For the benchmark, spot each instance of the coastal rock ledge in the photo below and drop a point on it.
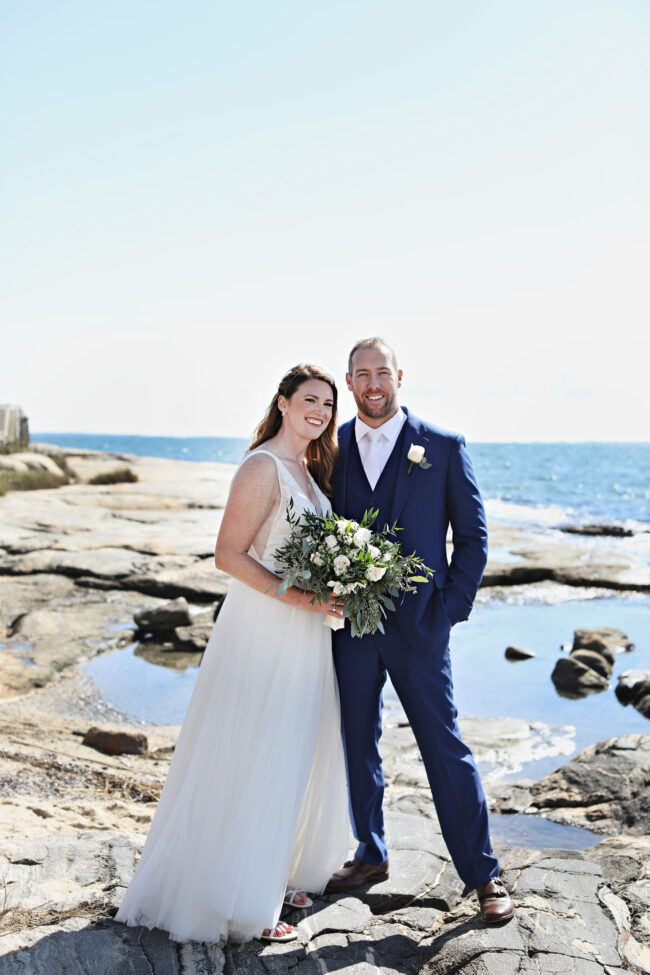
(584, 913)
(605, 788)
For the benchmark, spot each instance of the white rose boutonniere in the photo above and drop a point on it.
(416, 458)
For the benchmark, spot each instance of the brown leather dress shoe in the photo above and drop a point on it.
(354, 873)
(494, 902)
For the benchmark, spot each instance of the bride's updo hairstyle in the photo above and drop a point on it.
(321, 454)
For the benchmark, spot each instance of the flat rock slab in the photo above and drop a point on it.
(76, 947)
(59, 624)
(576, 912)
(58, 873)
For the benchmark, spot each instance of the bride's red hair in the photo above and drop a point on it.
(321, 454)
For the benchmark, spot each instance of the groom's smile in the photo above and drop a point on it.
(374, 380)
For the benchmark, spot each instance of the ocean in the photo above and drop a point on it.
(527, 484)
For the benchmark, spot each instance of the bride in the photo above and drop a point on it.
(254, 808)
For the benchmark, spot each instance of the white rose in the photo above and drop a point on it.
(316, 559)
(415, 454)
(331, 543)
(374, 551)
(374, 573)
(386, 557)
(342, 525)
(361, 537)
(354, 525)
(341, 562)
(337, 588)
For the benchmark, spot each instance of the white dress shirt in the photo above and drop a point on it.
(376, 444)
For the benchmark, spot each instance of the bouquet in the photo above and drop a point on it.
(346, 561)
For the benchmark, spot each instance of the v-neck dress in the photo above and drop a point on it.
(256, 797)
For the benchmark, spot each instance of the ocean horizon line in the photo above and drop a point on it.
(222, 436)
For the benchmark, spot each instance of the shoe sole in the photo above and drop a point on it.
(498, 920)
(364, 883)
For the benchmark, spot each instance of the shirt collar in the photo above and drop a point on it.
(390, 430)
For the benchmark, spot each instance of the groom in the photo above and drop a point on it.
(375, 471)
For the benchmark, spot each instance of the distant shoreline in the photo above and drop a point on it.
(556, 483)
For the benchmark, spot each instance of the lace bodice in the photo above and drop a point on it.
(290, 489)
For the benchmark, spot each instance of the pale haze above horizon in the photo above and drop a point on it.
(196, 197)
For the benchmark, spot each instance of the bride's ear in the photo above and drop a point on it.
(282, 404)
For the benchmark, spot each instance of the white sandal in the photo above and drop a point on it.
(290, 899)
(287, 936)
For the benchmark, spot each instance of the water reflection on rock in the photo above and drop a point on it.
(163, 655)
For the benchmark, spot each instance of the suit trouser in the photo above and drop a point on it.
(424, 686)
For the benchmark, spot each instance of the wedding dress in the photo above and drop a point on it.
(255, 799)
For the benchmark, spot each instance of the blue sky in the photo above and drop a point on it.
(195, 197)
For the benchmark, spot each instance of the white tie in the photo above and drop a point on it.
(372, 457)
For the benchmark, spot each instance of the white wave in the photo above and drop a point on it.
(549, 516)
(529, 515)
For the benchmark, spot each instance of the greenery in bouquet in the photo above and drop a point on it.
(346, 561)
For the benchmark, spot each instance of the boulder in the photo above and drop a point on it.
(194, 637)
(600, 647)
(116, 741)
(164, 618)
(634, 688)
(643, 705)
(518, 653)
(595, 638)
(589, 665)
(606, 787)
(590, 658)
(632, 685)
(573, 678)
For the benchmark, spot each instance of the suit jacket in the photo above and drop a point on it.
(424, 504)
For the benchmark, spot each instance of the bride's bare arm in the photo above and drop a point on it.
(254, 494)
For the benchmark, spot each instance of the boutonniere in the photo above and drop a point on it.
(416, 457)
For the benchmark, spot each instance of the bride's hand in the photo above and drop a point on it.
(325, 609)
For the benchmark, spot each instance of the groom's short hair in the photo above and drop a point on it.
(373, 343)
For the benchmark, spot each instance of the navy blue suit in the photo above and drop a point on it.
(415, 648)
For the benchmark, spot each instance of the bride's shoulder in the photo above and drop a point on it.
(257, 464)
(258, 459)
(256, 480)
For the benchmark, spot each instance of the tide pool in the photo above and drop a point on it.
(486, 684)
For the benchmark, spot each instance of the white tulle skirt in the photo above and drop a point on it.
(255, 799)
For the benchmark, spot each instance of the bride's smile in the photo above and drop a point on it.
(308, 412)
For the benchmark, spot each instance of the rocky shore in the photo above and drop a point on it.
(76, 565)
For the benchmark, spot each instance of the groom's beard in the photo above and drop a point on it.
(377, 411)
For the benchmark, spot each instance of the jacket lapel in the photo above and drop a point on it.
(414, 433)
(345, 440)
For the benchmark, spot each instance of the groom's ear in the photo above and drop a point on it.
(399, 378)
(348, 380)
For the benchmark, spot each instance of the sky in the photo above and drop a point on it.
(196, 196)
